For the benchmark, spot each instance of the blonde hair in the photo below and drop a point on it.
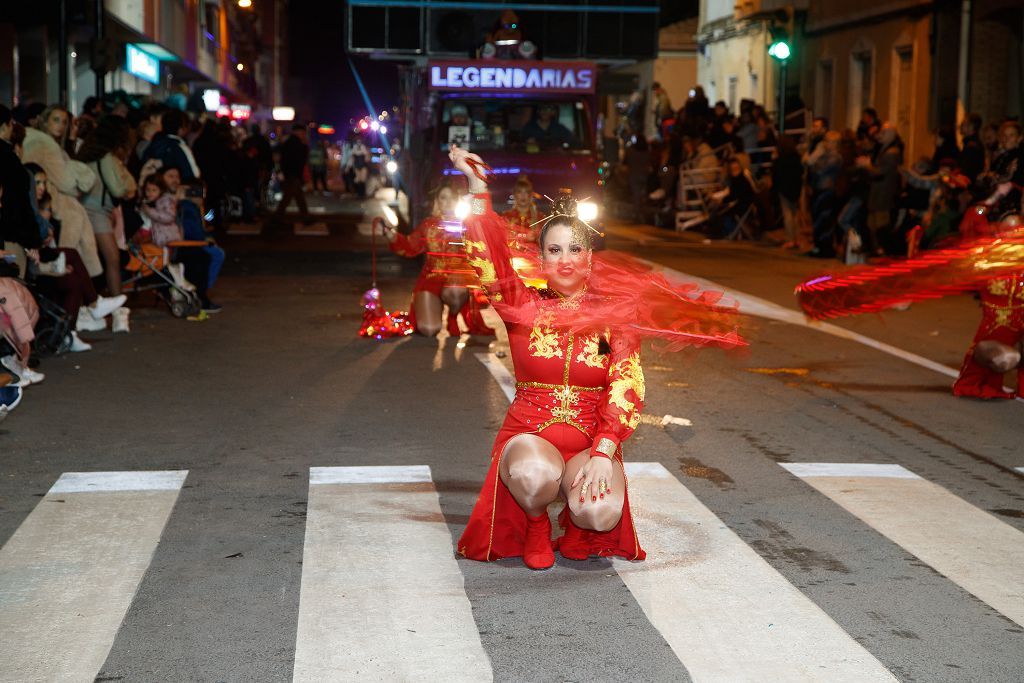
(44, 117)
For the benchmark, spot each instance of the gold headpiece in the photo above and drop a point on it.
(565, 205)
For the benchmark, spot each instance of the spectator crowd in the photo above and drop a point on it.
(115, 200)
(735, 175)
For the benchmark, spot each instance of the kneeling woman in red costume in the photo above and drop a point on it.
(579, 393)
(446, 278)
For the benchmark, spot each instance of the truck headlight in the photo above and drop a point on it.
(587, 211)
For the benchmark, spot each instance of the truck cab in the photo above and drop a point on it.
(532, 118)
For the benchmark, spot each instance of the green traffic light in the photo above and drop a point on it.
(780, 50)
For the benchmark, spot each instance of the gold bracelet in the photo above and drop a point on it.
(606, 447)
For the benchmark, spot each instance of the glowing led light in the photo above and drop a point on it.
(462, 209)
(587, 211)
(245, 4)
(374, 125)
(240, 66)
(392, 166)
(383, 130)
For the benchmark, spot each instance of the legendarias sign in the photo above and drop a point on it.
(556, 77)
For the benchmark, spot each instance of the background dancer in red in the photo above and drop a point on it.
(523, 218)
(446, 278)
(579, 392)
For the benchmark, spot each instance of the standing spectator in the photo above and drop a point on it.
(787, 181)
(69, 178)
(105, 152)
(257, 148)
(819, 128)
(990, 140)
(169, 147)
(638, 161)
(18, 226)
(825, 166)
(945, 148)
(662, 107)
(318, 165)
(885, 187)
(869, 124)
(971, 160)
(1007, 170)
(359, 163)
(294, 155)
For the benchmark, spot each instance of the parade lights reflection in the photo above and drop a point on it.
(587, 211)
(461, 210)
(389, 214)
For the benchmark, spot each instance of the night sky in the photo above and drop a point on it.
(317, 54)
(317, 57)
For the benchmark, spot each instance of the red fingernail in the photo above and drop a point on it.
(607, 490)
(602, 496)
(581, 499)
(593, 499)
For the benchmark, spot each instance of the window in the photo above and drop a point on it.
(514, 124)
(823, 93)
(861, 81)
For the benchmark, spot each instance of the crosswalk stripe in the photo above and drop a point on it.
(70, 571)
(726, 613)
(970, 547)
(382, 595)
(500, 373)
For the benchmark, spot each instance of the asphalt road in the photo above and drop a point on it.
(278, 382)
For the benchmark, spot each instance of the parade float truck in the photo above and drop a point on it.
(532, 118)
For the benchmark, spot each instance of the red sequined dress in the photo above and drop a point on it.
(571, 390)
(445, 266)
(523, 228)
(1002, 320)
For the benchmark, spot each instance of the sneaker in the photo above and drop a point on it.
(54, 268)
(119, 320)
(105, 305)
(10, 397)
(87, 322)
(210, 307)
(77, 345)
(25, 375)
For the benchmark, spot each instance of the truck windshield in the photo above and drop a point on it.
(514, 125)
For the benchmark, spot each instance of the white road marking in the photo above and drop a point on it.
(501, 375)
(382, 595)
(970, 547)
(848, 469)
(70, 571)
(726, 613)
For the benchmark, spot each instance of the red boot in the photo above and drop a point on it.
(537, 553)
(574, 544)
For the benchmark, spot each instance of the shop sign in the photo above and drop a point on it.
(142, 64)
(522, 77)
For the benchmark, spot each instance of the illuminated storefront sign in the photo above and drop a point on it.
(550, 77)
(211, 99)
(142, 64)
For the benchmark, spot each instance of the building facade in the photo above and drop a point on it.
(176, 50)
(733, 61)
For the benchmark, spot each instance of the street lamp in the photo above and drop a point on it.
(780, 51)
(245, 4)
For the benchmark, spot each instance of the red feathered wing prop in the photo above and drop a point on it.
(961, 266)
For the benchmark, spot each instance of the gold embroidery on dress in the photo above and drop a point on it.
(590, 354)
(630, 376)
(488, 276)
(544, 342)
(472, 247)
(997, 287)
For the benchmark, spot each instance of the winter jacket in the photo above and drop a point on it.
(886, 182)
(18, 312)
(113, 181)
(172, 152)
(70, 177)
(163, 218)
(294, 154)
(17, 220)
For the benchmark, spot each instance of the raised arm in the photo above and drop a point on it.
(486, 242)
(409, 246)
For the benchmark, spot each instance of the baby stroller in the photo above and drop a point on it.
(149, 268)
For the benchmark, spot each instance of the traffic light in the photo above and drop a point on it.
(779, 49)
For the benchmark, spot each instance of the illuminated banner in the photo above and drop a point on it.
(142, 64)
(549, 77)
